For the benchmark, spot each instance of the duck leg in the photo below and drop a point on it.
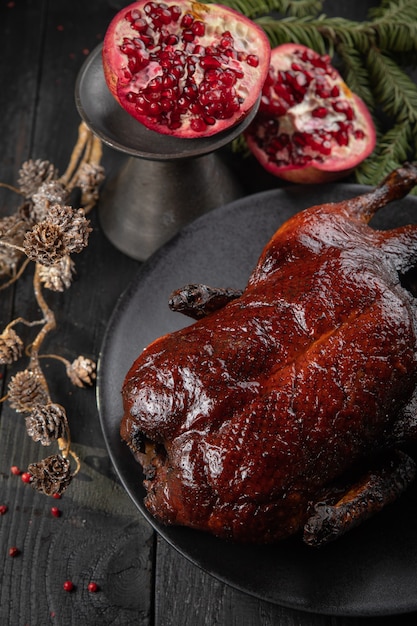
(394, 187)
(379, 487)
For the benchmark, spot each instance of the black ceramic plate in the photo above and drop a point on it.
(370, 571)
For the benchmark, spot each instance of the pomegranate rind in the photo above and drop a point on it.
(135, 87)
(264, 136)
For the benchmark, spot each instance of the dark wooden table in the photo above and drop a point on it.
(100, 536)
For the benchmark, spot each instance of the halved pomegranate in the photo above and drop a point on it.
(184, 68)
(310, 128)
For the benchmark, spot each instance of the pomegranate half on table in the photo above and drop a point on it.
(184, 68)
(310, 127)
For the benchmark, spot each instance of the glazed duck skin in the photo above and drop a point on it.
(282, 409)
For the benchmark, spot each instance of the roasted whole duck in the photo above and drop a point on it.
(287, 407)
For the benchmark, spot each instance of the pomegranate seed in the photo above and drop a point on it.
(169, 80)
(133, 15)
(283, 140)
(154, 108)
(359, 134)
(209, 62)
(198, 125)
(349, 114)
(319, 112)
(252, 60)
(340, 106)
(198, 28)
(165, 16)
(335, 91)
(188, 36)
(166, 105)
(140, 25)
(178, 71)
(342, 137)
(226, 41)
(169, 94)
(150, 7)
(322, 92)
(93, 587)
(302, 82)
(278, 108)
(299, 139)
(147, 40)
(284, 93)
(68, 585)
(171, 40)
(228, 78)
(15, 470)
(175, 12)
(26, 477)
(209, 120)
(155, 83)
(199, 50)
(3, 509)
(56, 512)
(13, 551)
(187, 20)
(190, 92)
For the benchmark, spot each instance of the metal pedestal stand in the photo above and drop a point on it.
(164, 182)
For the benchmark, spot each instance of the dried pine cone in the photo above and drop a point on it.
(51, 475)
(82, 371)
(90, 178)
(13, 228)
(44, 244)
(12, 231)
(9, 259)
(58, 276)
(74, 225)
(33, 173)
(25, 390)
(48, 194)
(11, 346)
(46, 423)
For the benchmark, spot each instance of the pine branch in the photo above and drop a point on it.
(393, 89)
(257, 8)
(392, 150)
(390, 11)
(303, 31)
(322, 34)
(401, 37)
(303, 8)
(356, 74)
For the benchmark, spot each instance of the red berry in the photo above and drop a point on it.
(13, 551)
(15, 470)
(26, 477)
(57, 496)
(55, 511)
(93, 587)
(3, 509)
(68, 585)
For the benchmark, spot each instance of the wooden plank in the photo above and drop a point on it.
(100, 535)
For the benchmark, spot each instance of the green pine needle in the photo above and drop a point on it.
(257, 8)
(393, 89)
(390, 11)
(356, 74)
(392, 150)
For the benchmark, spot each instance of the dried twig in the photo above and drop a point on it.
(47, 231)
